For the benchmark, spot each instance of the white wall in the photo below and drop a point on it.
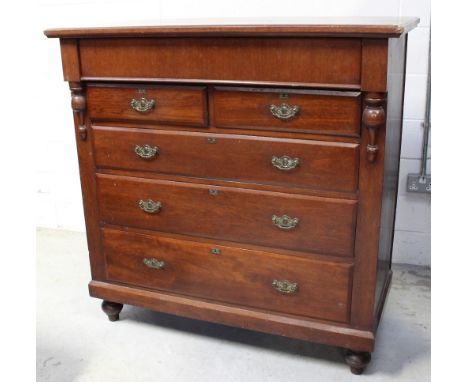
(58, 192)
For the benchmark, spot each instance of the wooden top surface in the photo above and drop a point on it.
(382, 27)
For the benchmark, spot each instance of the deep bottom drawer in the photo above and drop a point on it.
(318, 289)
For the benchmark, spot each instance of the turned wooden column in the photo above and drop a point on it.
(373, 118)
(78, 103)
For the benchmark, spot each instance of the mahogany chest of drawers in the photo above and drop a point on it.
(244, 175)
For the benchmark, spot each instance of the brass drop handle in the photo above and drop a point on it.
(150, 206)
(146, 151)
(284, 111)
(285, 163)
(142, 105)
(154, 263)
(285, 222)
(285, 286)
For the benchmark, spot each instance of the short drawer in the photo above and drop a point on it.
(306, 111)
(308, 164)
(264, 280)
(295, 222)
(182, 105)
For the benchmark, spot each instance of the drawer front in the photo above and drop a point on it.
(299, 222)
(298, 163)
(183, 105)
(311, 61)
(304, 111)
(319, 289)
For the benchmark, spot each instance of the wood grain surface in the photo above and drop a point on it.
(213, 87)
(181, 105)
(242, 215)
(246, 59)
(322, 166)
(325, 112)
(233, 275)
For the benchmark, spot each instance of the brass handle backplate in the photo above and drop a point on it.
(142, 105)
(284, 111)
(285, 163)
(154, 263)
(146, 151)
(150, 206)
(285, 222)
(285, 286)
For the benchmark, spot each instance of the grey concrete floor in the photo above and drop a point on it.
(76, 342)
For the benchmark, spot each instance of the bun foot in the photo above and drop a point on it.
(112, 309)
(357, 361)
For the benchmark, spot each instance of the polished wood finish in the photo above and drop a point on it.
(248, 59)
(78, 103)
(323, 166)
(180, 105)
(374, 65)
(367, 232)
(325, 225)
(382, 27)
(373, 118)
(323, 111)
(112, 309)
(88, 183)
(330, 333)
(395, 95)
(357, 361)
(212, 249)
(201, 269)
(70, 60)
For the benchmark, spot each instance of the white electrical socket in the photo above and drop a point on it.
(418, 183)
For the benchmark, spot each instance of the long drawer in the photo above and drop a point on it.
(311, 61)
(308, 164)
(295, 222)
(307, 111)
(263, 280)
